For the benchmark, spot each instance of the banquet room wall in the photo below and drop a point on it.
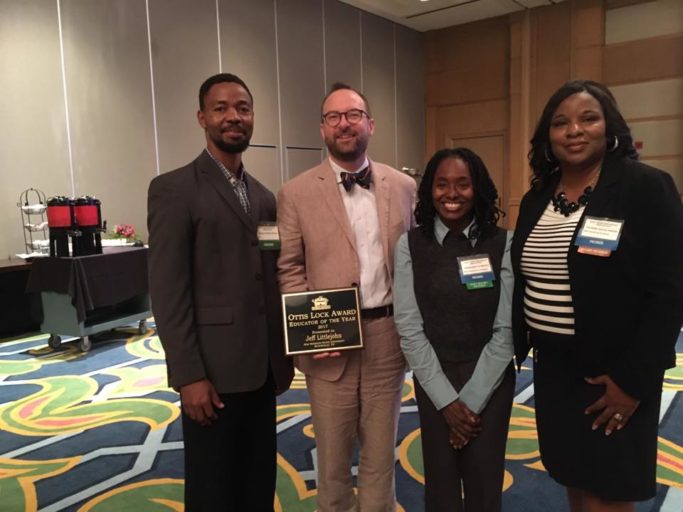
(98, 97)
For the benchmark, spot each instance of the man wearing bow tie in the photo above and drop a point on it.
(339, 222)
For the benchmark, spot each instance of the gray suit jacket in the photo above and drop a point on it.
(214, 292)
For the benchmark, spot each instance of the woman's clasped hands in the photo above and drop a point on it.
(463, 424)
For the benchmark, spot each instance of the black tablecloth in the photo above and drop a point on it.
(18, 310)
(93, 281)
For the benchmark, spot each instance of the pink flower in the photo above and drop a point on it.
(125, 230)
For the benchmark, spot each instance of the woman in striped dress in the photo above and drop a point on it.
(598, 296)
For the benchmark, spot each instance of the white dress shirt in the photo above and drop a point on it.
(361, 210)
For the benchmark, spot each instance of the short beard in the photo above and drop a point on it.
(347, 156)
(232, 149)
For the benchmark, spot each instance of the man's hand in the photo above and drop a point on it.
(198, 401)
(462, 422)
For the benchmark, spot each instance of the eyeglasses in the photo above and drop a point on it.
(352, 116)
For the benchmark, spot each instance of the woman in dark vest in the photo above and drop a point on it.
(452, 299)
(598, 260)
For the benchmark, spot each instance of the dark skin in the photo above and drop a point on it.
(610, 405)
(227, 120)
(453, 197)
(578, 141)
(462, 422)
(200, 401)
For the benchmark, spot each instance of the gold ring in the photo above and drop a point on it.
(618, 416)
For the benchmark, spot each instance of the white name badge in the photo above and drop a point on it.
(476, 271)
(599, 236)
(268, 236)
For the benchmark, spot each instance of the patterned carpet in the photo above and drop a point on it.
(100, 432)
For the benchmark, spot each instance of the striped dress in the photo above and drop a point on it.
(547, 297)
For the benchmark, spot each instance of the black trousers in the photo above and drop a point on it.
(475, 471)
(230, 465)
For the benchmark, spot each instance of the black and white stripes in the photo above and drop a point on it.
(547, 296)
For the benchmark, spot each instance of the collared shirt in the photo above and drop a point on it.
(239, 183)
(494, 358)
(361, 209)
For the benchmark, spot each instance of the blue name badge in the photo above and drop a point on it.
(476, 271)
(599, 236)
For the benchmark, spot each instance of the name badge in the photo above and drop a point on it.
(268, 236)
(599, 236)
(476, 271)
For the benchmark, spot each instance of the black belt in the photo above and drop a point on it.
(379, 312)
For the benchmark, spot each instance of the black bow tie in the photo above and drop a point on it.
(362, 177)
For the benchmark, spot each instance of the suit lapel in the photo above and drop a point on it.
(606, 189)
(600, 204)
(255, 200)
(383, 201)
(329, 191)
(215, 177)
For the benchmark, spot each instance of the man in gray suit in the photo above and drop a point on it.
(217, 309)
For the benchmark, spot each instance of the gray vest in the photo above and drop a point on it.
(457, 322)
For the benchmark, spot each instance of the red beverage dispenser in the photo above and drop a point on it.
(88, 217)
(60, 220)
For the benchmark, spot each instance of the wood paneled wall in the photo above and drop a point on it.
(643, 66)
(487, 82)
(466, 84)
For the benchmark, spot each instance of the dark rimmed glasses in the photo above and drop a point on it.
(352, 116)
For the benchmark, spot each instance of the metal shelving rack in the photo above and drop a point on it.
(33, 205)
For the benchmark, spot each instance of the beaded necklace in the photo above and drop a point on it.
(566, 207)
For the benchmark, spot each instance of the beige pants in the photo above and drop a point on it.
(364, 406)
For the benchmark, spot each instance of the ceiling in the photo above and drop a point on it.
(434, 14)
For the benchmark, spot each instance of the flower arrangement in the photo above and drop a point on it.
(126, 231)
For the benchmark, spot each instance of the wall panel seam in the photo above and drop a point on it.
(151, 81)
(395, 100)
(218, 38)
(636, 81)
(306, 148)
(474, 135)
(283, 172)
(324, 47)
(66, 99)
(673, 156)
(631, 42)
(669, 117)
(360, 34)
